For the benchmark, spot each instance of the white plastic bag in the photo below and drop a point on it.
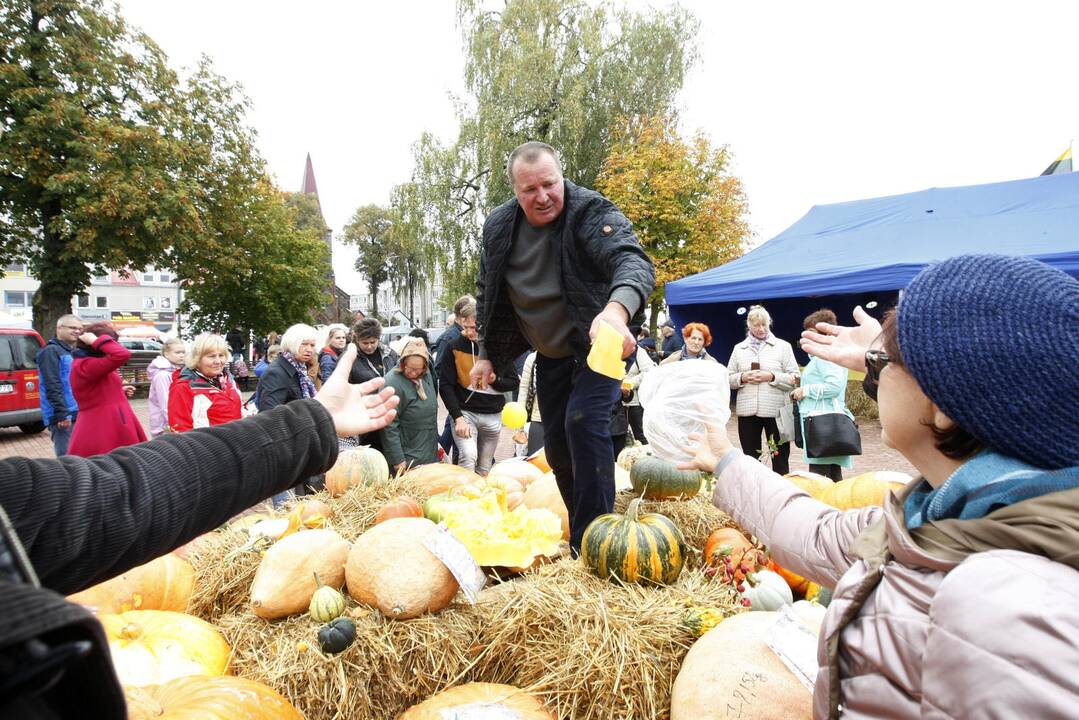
(678, 399)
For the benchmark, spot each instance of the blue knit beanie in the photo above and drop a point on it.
(993, 341)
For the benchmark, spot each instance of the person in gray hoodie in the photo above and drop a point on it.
(958, 597)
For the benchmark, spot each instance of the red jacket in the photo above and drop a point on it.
(106, 420)
(195, 402)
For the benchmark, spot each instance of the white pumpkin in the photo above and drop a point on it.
(810, 613)
(766, 590)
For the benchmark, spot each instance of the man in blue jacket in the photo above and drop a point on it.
(58, 406)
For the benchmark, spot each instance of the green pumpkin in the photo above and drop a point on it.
(654, 478)
(635, 548)
(435, 507)
(336, 636)
(326, 604)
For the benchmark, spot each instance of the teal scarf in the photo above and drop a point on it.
(985, 483)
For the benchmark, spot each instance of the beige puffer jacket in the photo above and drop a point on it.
(993, 636)
(764, 399)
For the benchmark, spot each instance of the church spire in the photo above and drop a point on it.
(309, 187)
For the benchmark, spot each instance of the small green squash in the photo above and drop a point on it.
(337, 635)
(765, 590)
(635, 548)
(435, 507)
(654, 478)
(326, 604)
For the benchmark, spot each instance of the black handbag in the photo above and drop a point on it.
(831, 435)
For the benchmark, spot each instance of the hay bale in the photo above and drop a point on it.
(858, 402)
(590, 647)
(696, 518)
(391, 665)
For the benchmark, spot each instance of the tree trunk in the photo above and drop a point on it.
(373, 287)
(653, 312)
(60, 279)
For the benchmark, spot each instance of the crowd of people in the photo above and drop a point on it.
(984, 538)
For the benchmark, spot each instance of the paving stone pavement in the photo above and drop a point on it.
(875, 456)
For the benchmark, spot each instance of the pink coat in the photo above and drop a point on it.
(106, 420)
(993, 636)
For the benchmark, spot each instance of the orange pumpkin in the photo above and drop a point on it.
(315, 513)
(358, 466)
(165, 583)
(514, 489)
(524, 472)
(863, 490)
(222, 697)
(796, 582)
(402, 506)
(539, 459)
(728, 551)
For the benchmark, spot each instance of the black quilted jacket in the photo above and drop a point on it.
(599, 253)
(83, 520)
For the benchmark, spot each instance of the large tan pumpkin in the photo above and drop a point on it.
(730, 672)
(810, 482)
(390, 568)
(543, 493)
(864, 490)
(518, 469)
(358, 466)
(480, 700)
(437, 478)
(164, 583)
(150, 647)
(208, 698)
(285, 579)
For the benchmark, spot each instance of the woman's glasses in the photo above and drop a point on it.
(875, 360)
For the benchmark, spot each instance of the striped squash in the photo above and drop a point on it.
(654, 478)
(635, 548)
(359, 466)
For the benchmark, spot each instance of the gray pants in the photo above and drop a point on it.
(478, 451)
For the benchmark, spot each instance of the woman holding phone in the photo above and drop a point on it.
(763, 371)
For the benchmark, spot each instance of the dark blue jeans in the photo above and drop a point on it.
(575, 404)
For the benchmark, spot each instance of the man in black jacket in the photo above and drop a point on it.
(557, 261)
(66, 525)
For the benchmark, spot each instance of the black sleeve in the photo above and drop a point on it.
(48, 368)
(273, 387)
(506, 378)
(447, 384)
(619, 252)
(84, 520)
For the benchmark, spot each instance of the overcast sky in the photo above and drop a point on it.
(820, 102)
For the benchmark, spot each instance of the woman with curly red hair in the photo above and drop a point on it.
(698, 337)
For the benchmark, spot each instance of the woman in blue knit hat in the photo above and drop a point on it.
(960, 597)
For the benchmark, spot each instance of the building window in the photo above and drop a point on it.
(15, 268)
(82, 300)
(148, 275)
(165, 302)
(101, 301)
(149, 303)
(18, 298)
(101, 279)
(164, 277)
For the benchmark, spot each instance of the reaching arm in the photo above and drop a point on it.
(95, 368)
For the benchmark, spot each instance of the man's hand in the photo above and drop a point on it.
(129, 390)
(616, 316)
(356, 409)
(462, 428)
(400, 467)
(844, 346)
(64, 424)
(482, 375)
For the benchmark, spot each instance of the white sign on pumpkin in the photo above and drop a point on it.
(458, 560)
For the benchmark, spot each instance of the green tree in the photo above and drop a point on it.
(687, 209)
(550, 70)
(410, 260)
(369, 230)
(94, 170)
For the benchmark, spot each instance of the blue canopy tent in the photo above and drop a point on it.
(865, 251)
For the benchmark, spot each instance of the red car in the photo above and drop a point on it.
(20, 402)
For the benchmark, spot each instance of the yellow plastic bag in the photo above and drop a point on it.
(605, 357)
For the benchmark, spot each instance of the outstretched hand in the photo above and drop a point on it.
(843, 345)
(356, 409)
(706, 448)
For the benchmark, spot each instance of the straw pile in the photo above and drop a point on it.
(590, 648)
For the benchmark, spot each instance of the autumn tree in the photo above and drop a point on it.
(689, 212)
(369, 230)
(410, 260)
(558, 71)
(94, 170)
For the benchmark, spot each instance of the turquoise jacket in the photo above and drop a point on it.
(825, 385)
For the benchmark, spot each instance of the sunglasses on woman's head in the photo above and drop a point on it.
(875, 360)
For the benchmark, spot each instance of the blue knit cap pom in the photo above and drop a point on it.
(993, 341)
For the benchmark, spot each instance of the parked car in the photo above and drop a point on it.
(141, 348)
(20, 392)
